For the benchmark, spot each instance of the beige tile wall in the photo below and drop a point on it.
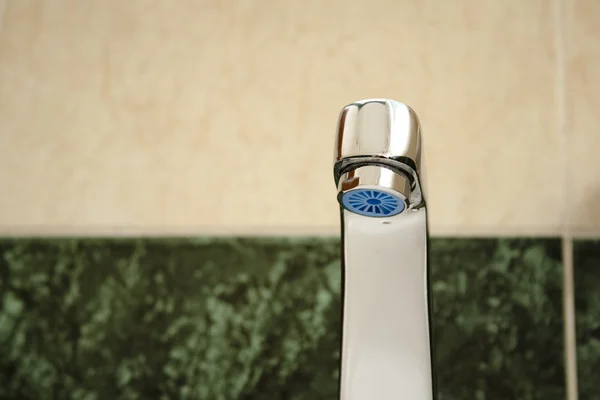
(583, 111)
(200, 116)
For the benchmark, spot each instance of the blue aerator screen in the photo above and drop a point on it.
(372, 203)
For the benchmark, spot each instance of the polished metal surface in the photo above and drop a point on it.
(380, 132)
(375, 177)
(386, 337)
(378, 128)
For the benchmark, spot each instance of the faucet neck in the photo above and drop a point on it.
(386, 348)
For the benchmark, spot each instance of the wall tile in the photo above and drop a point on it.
(583, 86)
(259, 318)
(189, 115)
(586, 258)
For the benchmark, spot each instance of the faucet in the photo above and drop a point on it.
(386, 351)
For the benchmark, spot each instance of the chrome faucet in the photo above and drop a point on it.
(387, 353)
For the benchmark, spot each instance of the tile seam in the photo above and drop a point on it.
(569, 334)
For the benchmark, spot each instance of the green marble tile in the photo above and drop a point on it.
(259, 319)
(498, 318)
(586, 258)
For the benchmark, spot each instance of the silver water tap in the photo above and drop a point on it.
(387, 351)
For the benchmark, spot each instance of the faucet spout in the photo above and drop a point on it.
(386, 330)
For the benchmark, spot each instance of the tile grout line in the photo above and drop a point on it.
(215, 230)
(178, 231)
(569, 320)
(569, 334)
